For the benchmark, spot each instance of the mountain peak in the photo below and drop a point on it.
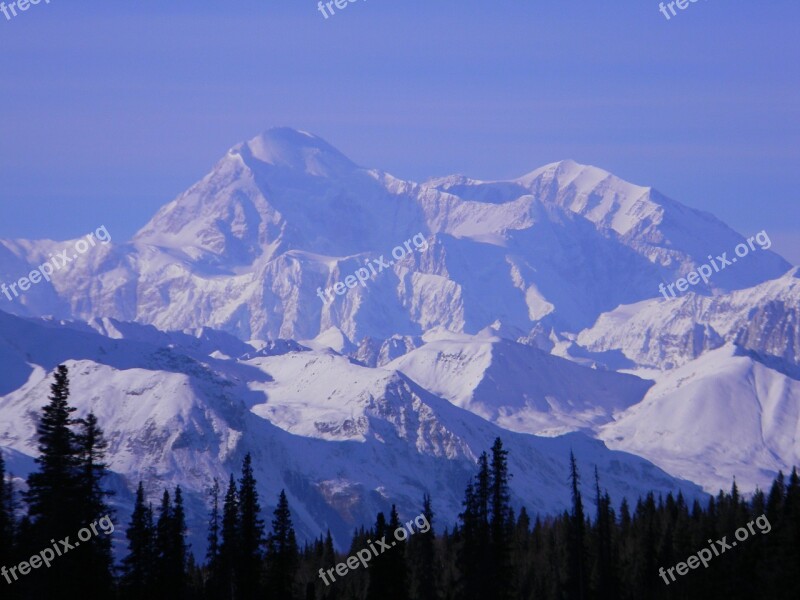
(296, 150)
(565, 172)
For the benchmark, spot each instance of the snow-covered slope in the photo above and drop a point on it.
(662, 334)
(722, 415)
(344, 440)
(519, 387)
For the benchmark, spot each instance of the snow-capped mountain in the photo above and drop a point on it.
(247, 248)
(528, 306)
(727, 369)
(344, 440)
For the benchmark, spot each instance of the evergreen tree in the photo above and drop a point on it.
(229, 545)
(329, 556)
(178, 548)
(604, 578)
(251, 535)
(95, 558)
(282, 553)
(7, 519)
(163, 543)
(500, 524)
(170, 547)
(195, 580)
(91, 447)
(475, 552)
(483, 491)
(380, 582)
(213, 580)
(424, 560)
(577, 575)
(51, 494)
(470, 552)
(523, 556)
(784, 539)
(396, 559)
(138, 565)
(53, 498)
(645, 538)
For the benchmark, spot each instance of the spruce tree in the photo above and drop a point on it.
(7, 519)
(396, 559)
(328, 551)
(171, 547)
(380, 583)
(603, 577)
(577, 570)
(52, 494)
(483, 492)
(282, 553)
(776, 498)
(178, 549)
(500, 501)
(212, 584)
(53, 499)
(95, 558)
(500, 526)
(787, 538)
(251, 535)
(327, 560)
(475, 553)
(425, 562)
(229, 544)
(165, 582)
(138, 564)
(469, 553)
(522, 555)
(91, 448)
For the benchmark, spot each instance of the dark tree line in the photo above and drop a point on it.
(493, 551)
(597, 553)
(156, 563)
(64, 496)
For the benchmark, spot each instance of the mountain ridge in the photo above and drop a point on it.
(252, 243)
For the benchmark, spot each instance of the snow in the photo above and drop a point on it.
(535, 310)
(519, 387)
(329, 431)
(721, 416)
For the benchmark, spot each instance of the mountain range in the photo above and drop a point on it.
(531, 313)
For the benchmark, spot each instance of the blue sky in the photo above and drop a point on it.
(108, 110)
